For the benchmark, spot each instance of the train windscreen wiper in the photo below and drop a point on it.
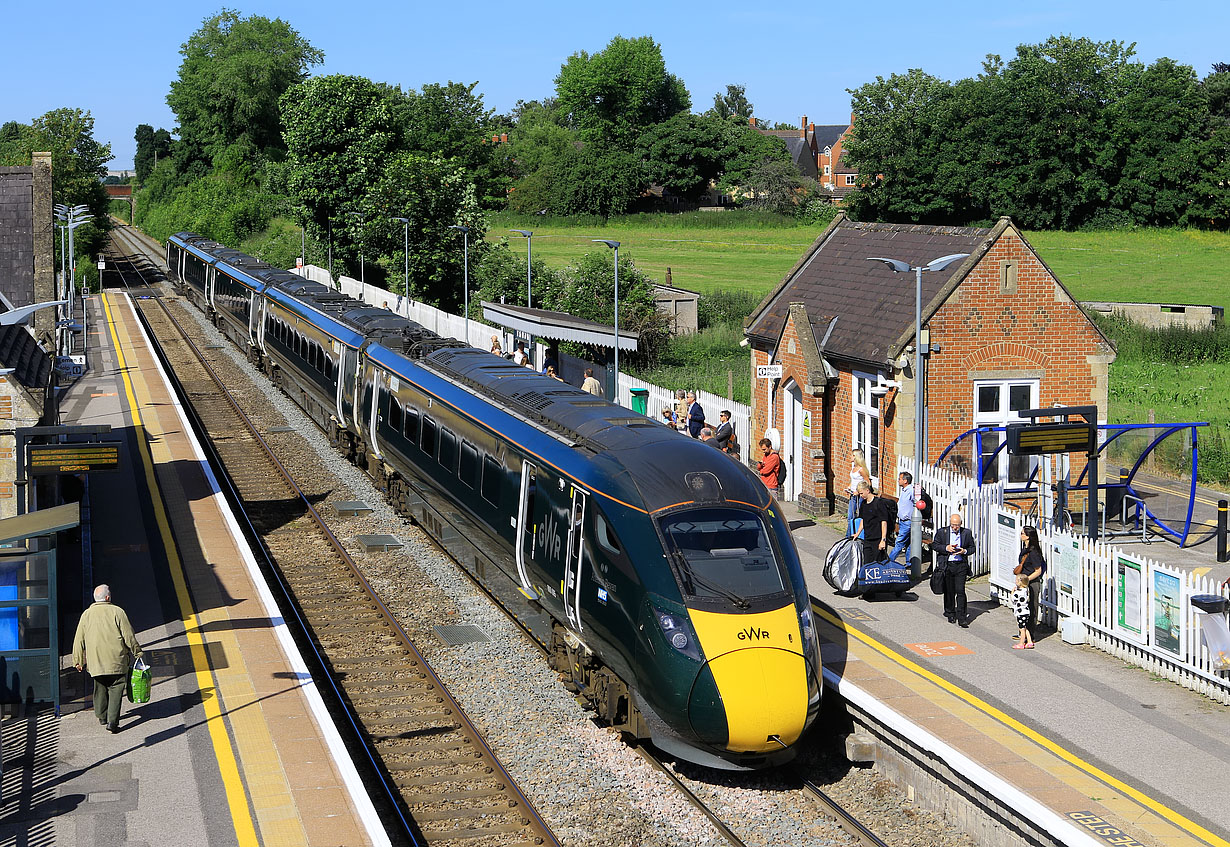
(691, 576)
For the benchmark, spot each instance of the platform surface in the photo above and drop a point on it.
(234, 747)
(1075, 729)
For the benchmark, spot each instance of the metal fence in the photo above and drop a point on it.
(1134, 608)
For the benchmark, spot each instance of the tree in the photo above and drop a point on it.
(451, 121)
(609, 97)
(593, 181)
(777, 186)
(341, 133)
(1217, 88)
(684, 153)
(732, 104)
(746, 150)
(234, 72)
(152, 147)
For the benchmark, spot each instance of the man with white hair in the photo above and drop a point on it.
(953, 546)
(106, 645)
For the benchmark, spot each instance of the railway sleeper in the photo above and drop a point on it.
(508, 809)
(460, 834)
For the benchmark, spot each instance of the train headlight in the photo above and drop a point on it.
(678, 633)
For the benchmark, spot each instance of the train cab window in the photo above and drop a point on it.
(606, 536)
(412, 426)
(468, 471)
(428, 442)
(723, 554)
(492, 475)
(396, 415)
(448, 450)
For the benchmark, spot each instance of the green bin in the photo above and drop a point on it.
(640, 400)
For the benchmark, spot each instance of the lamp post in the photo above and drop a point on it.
(465, 270)
(920, 446)
(73, 217)
(406, 233)
(529, 256)
(362, 272)
(614, 245)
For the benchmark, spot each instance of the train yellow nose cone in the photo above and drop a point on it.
(764, 693)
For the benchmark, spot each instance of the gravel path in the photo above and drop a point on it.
(588, 785)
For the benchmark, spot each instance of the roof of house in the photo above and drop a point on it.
(873, 305)
(801, 155)
(828, 135)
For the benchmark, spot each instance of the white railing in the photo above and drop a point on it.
(659, 397)
(1134, 608)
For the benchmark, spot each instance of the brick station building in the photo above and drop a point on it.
(1005, 333)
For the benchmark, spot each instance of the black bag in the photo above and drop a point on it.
(937, 578)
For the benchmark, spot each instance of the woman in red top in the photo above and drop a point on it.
(770, 465)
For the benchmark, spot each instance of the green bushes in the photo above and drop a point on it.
(1178, 345)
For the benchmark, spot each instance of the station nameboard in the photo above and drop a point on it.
(1037, 439)
(73, 458)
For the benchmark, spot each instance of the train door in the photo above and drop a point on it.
(378, 396)
(342, 351)
(529, 511)
(211, 274)
(574, 559)
(254, 304)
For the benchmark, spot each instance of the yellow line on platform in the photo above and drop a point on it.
(228, 766)
(986, 708)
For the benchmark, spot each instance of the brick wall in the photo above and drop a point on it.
(17, 235)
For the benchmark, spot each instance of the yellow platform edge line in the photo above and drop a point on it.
(1143, 799)
(228, 766)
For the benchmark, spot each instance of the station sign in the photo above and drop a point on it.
(768, 372)
(1039, 439)
(73, 458)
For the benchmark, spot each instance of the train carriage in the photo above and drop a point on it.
(661, 571)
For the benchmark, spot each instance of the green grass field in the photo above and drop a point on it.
(705, 254)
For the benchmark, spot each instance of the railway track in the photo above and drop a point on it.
(446, 784)
(808, 792)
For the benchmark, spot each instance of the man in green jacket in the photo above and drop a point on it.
(106, 645)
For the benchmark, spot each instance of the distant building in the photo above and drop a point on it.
(817, 152)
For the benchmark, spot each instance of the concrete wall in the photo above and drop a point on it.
(1159, 315)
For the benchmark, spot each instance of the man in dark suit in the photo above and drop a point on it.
(953, 545)
(725, 431)
(696, 416)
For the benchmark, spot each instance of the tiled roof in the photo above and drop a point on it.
(801, 156)
(826, 136)
(18, 350)
(873, 305)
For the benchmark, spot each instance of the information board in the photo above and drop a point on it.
(1037, 439)
(768, 372)
(1068, 566)
(73, 458)
(1166, 612)
(1007, 549)
(1129, 597)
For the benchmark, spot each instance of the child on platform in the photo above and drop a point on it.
(1020, 607)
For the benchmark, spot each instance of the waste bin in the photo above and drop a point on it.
(1211, 613)
(640, 400)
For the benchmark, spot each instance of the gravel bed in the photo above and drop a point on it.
(588, 785)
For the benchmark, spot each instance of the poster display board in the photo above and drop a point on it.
(1167, 612)
(1007, 540)
(1130, 610)
(1067, 566)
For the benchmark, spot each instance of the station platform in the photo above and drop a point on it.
(1092, 750)
(235, 746)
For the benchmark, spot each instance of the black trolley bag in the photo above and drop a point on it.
(883, 576)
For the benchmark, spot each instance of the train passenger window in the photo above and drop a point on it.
(492, 475)
(448, 450)
(606, 536)
(469, 465)
(396, 416)
(412, 426)
(428, 442)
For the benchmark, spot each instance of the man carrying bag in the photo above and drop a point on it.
(953, 545)
(104, 647)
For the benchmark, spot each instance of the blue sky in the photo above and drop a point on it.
(794, 58)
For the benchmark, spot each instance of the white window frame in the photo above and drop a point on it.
(828, 170)
(1001, 417)
(850, 178)
(866, 433)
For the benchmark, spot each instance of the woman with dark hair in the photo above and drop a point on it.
(1033, 567)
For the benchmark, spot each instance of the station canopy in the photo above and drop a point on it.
(558, 326)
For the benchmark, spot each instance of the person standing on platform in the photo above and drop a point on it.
(907, 496)
(725, 432)
(953, 545)
(875, 515)
(105, 647)
(1033, 567)
(770, 467)
(1020, 608)
(520, 357)
(590, 384)
(496, 348)
(858, 473)
(696, 416)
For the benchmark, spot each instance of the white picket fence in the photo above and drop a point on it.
(953, 492)
(1134, 608)
(454, 326)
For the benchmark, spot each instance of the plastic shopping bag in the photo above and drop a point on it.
(139, 682)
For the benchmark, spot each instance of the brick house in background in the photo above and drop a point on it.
(1007, 336)
(817, 152)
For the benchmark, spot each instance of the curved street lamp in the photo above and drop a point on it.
(919, 445)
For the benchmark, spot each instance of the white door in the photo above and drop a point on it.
(792, 440)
